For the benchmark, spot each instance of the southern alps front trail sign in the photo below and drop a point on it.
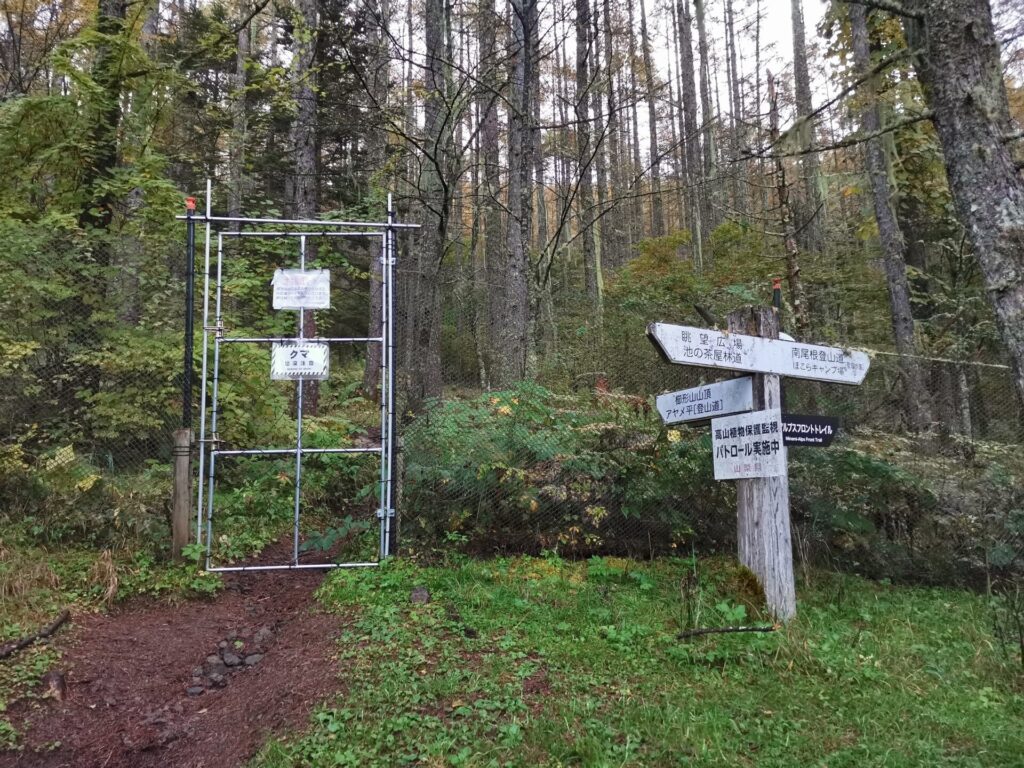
(707, 401)
(684, 345)
(748, 445)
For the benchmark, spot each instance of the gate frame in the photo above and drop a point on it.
(301, 229)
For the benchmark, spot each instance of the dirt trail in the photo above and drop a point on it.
(199, 685)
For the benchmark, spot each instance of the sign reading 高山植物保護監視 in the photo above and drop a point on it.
(738, 352)
(706, 401)
(748, 445)
(302, 289)
(292, 360)
(811, 431)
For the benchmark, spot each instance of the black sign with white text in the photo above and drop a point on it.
(814, 431)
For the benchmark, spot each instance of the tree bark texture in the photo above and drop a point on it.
(798, 297)
(657, 212)
(811, 207)
(513, 313)
(305, 154)
(915, 392)
(584, 156)
(962, 78)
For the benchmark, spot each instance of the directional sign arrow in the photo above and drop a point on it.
(738, 352)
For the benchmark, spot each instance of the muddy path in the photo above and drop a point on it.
(198, 685)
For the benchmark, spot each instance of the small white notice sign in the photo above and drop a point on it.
(302, 289)
(748, 445)
(706, 401)
(293, 360)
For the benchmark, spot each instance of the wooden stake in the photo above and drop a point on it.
(763, 526)
(181, 498)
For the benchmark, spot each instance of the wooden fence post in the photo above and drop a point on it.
(763, 526)
(181, 496)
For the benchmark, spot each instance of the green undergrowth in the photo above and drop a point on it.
(540, 661)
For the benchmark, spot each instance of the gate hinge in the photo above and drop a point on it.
(382, 513)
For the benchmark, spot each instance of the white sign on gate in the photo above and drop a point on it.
(739, 352)
(706, 401)
(748, 445)
(302, 289)
(293, 360)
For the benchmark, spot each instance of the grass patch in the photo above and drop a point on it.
(543, 662)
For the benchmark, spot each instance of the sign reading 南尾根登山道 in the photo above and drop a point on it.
(738, 352)
(706, 401)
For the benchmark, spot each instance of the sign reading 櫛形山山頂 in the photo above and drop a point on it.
(708, 348)
(748, 445)
(706, 401)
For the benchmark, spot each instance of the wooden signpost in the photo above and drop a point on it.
(751, 447)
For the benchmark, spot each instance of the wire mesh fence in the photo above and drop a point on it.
(574, 459)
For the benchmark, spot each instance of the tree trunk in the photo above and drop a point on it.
(962, 77)
(657, 212)
(584, 151)
(709, 195)
(811, 211)
(513, 311)
(796, 283)
(305, 154)
(237, 139)
(423, 378)
(695, 180)
(378, 81)
(736, 108)
(915, 391)
(613, 253)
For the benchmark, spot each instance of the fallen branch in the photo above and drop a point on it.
(11, 648)
(723, 630)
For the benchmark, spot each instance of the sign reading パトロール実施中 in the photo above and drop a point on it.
(748, 445)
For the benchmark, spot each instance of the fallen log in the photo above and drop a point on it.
(9, 649)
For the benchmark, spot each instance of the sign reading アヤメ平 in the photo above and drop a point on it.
(738, 352)
(706, 401)
(748, 445)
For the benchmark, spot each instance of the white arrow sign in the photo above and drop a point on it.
(707, 401)
(753, 354)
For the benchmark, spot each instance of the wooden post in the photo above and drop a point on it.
(763, 526)
(181, 496)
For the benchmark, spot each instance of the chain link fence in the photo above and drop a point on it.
(574, 460)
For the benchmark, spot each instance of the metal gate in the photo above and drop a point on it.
(290, 358)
